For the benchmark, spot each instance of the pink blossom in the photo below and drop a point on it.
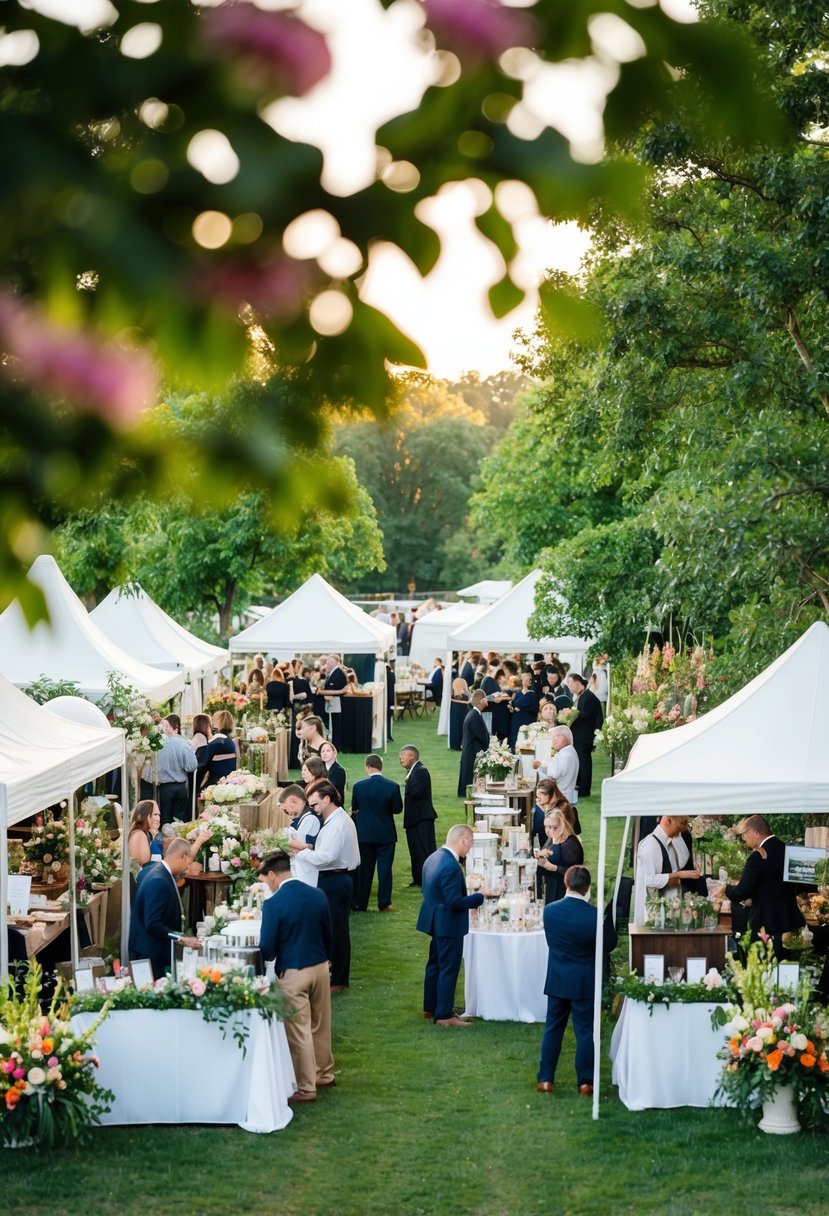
(8, 1066)
(276, 48)
(18, 1073)
(478, 31)
(668, 654)
(276, 288)
(198, 987)
(236, 862)
(754, 1044)
(93, 375)
(674, 713)
(700, 681)
(52, 1061)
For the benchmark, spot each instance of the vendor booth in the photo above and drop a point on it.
(504, 627)
(43, 759)
(70, 646)
(764, 751)
(136, 624)
(315, 620)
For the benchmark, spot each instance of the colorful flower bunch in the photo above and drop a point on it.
(218, 994)
(221, 698)
(773, 1042)
(48, 1092)
(49, 842)
(238, 786)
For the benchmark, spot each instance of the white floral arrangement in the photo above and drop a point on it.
(257, 734)
(238, 786)
(497, 761)
(528, 734)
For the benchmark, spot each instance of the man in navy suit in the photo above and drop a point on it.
(570, 927)
(157, 912)
(419, 814)
(475, 739)
(444, 915)
(374, 802)
(296, 934)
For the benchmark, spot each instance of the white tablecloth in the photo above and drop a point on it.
(172, 1066)
(504, 976)
(669, 1059)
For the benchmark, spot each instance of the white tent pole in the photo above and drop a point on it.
(4, 892)
(597, 997)
(126, 820)
(73, 886)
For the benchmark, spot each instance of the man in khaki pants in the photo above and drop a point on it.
(296, 933)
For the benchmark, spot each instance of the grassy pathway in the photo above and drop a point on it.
(431, 1121)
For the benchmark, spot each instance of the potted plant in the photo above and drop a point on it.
(776, 1053)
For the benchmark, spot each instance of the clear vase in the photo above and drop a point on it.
(780, 1113)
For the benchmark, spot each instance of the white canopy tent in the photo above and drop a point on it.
(43, 760)
(430, 633)
(747, 756)
(135, 623)
(70, 646)
(503, 627)
(487, 591)
(317, 619)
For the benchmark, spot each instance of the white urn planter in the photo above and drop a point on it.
(780, 1113)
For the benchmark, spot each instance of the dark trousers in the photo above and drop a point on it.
(585, 778)
(338, 889)
(173, 798)
(440, 980)
(381, 855)
(421, 841)
(559, 1008)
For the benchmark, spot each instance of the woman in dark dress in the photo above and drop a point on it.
(560, 851)
(300, 694)
(335, 772)
(498, 699)
(524, 707)
(221, 756)
(278, 692)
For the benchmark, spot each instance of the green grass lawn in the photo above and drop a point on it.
(432, 1121)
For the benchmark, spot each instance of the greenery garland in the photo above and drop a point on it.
(220, 996)
(652, 994)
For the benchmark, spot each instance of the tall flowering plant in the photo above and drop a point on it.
(773, 1042)
(48, 1093)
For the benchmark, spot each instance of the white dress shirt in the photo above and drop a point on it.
(335, 848)
(649, 876)
(563, 767)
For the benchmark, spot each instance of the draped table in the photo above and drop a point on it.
(666, 1059)
(171, 1066)
(504, 976)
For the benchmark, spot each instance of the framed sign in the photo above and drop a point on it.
(695, 969)
(800, 862)
(654, 968)
(141, 971)
(19, 889)
(788, 976)
(85, 980)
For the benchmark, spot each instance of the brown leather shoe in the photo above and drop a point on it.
(428, 1016)
(587, 1090)
(453, 1021)
(339, 987)
(386, 908)
(302, 1095)
(544, 1087)
(326, 1084)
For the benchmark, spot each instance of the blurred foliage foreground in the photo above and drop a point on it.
(147, 193)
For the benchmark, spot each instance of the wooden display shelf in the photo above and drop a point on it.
(678, 946)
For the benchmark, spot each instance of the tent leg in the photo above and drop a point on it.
(126, 819)
(597, 997)
(73, 885)
(4, 893)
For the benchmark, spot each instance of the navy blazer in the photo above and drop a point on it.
(376, 800)
(418, 805)
(296, 926)
(445, 908)
(570, 926)
(156, 913)
(338, 778)
(773, 903)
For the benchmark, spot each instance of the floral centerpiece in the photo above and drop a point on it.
(528, 733)
(238, 786)
(496, 762)
(48, 1092)
(47, 849)
(133, 713)
(221, 698)
(773, 1042)
(97, 855)
(219, 995)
